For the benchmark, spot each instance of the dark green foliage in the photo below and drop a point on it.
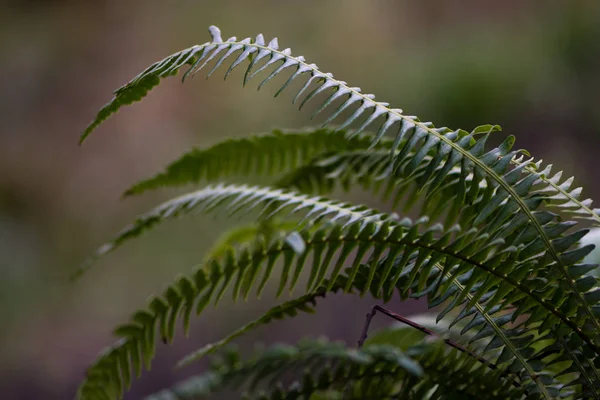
(374, 372)
(495, 250)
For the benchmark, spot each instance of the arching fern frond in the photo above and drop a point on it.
(366, 168)
(490, 211)
(209, 284)
(409, 127)
(401, 256)
(452, 147)
(235, 198)
(372, 236)
(428, 371)
(515, 258)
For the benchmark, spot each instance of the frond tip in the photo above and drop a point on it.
(236, 198)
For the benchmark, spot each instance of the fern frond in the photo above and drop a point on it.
(408, 264)
(519, 259)
(237, 198)
(139, 87)
(373, 171)
(209, 284)
(267, 154)
(376, 371)
(452, 146)
(377, 237)
(258, 49)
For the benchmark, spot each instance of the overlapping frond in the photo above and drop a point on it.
(474, 199)
(369, 169)
(237, 198)
(427, 371)
(268, 154)
(512, 276)
(409, 127)
(400, 255)
(508, 186)
(209, 284)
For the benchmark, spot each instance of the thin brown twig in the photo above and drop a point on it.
(426, 331)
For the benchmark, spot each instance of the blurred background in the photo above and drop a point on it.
(531, 66)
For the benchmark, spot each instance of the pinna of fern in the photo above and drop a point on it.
(507, 262)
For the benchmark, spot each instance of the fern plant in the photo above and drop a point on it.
(495, 251)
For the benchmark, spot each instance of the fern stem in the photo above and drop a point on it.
(422, 329)
(428, 332)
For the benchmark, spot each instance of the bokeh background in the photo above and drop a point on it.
(531, 66)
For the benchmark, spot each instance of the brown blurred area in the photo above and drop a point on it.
(531, 66)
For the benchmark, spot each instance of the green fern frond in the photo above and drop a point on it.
(427, 371)
(516, 257)
(409, 264)
(452, 147)
(488, 210)
(267, 154)
(210, 283)
(490, 285)
(408, 127)
(366, 168)
(236, 198)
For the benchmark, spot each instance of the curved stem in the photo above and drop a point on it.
(427, 332)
